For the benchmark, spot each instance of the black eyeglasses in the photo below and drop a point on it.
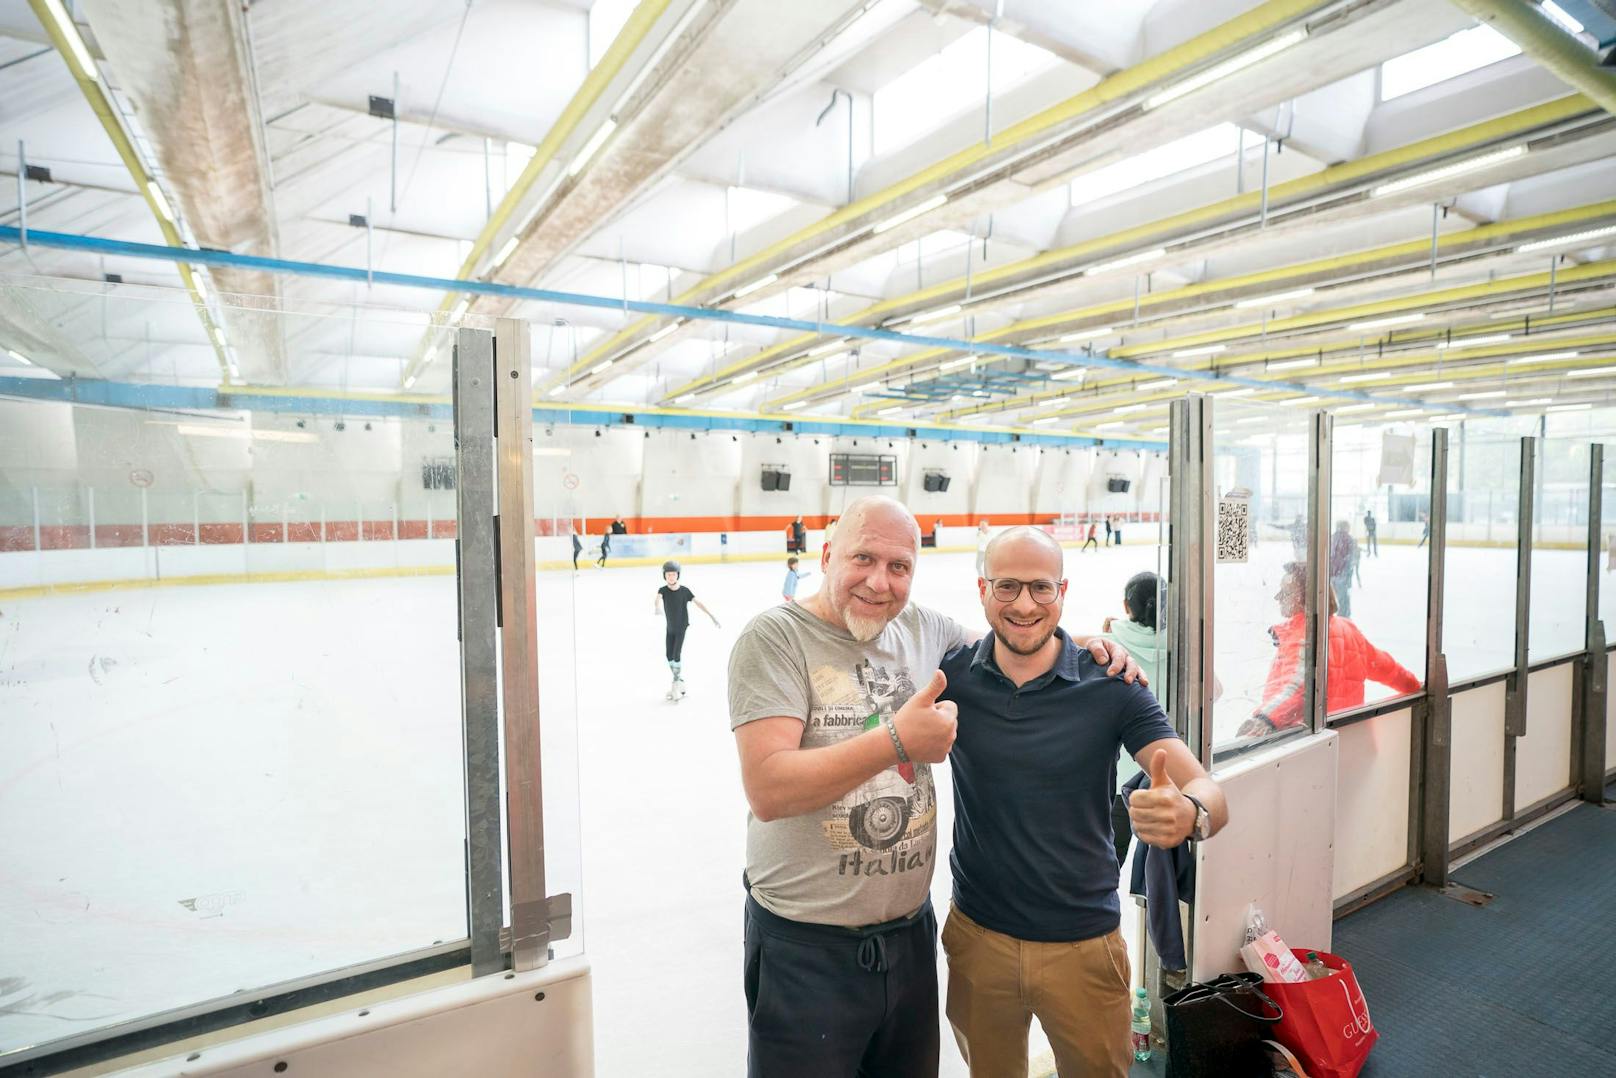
(1008, 590)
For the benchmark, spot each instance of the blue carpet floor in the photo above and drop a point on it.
(1518, 988)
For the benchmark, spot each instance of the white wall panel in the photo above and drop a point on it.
(1543, 756)
(1005, 482)
(1371, 818)
(1476, 793)
(1277, 852)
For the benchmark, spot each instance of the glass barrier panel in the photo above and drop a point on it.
(254, 778)
(1607, 555)
(1380, 501)
(1559, 599)
(1484, 479)
(1260, 653)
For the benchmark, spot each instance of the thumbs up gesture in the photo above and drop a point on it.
(925, 726)
(1162, 816)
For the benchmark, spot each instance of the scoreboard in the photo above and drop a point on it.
(863, 470)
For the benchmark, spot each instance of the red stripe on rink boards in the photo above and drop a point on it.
(16, 537)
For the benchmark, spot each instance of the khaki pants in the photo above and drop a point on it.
(1079, 991)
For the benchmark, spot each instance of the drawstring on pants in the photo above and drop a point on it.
(872, 954)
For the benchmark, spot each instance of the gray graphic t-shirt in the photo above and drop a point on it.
(868, 857)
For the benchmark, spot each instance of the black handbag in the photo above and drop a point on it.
(1215, 1029)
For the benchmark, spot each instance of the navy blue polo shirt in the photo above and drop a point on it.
(1034, 775)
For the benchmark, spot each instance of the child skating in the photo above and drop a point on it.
(673, 599)
(788, 590)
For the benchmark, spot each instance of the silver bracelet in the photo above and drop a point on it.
(892, 730)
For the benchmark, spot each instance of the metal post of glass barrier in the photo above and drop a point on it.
(1515, 693)
(478, 595)
(1189, 573)
(1318, 568)
(1595, 663)
(1430, 772)
(532, 911)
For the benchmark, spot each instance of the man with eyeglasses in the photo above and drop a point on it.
(1035, 923)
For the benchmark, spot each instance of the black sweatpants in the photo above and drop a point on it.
(829, 1002)
(676, 641)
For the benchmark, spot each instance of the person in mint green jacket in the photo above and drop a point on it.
(1146, 640)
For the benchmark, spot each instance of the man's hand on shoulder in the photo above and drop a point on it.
(1116, 660)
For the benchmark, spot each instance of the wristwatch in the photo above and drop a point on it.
(1203, 821)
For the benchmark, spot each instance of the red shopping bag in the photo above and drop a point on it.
(1326, 1022)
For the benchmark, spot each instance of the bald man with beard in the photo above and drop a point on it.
(834, 705)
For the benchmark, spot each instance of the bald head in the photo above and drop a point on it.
(881, 512)
(1023, 541)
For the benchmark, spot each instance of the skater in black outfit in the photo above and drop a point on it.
(605, 546)
(673, 599)
(577, 546)
(1371, 544)
(799, 537)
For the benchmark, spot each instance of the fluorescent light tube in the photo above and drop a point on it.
(459, 309)
(889, 411)
(794, 405)
(160, 200)
(75, 41)
(19, 357)
(1047, 420)
(1406, 413)
(505, 251)
(1569, 407)
(409, 383)
(1561, 241)
(1087, 334)
(1244, 391)
(1589, 372)
(909, 215)
(1110, 426)
(1161, 384)
(684, 399)
(1263, 301)
(743, 378)
(956, 364)
(1373, 376)
(932, 316)
(831, 347)
(1486, 394)
(1377, 323)
(1428, 385)
(1130, 408)
(664, 331)
(1357, 408)
(1294, 364)
(1069, 374)
(558, 390)
(1534, 402)
(1474, 342)
(1228, 67)
(1130, 260)
(1546, 357)
(1486, 160)
(1209, 350)
(591, 147)
(597, 368)
(1560, 15)
(1302, 400)
(761, 282)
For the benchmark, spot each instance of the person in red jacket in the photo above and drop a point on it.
(1353, 660)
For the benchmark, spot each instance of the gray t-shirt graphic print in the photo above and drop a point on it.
(868, 857)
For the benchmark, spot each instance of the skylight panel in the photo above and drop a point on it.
(951, 82)
(748, 207)
(1455, 55)
(1178, 156)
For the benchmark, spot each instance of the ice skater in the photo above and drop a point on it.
(1093, 530)
(673, 599)
(577, 546)
(788, 590)
(605, 547)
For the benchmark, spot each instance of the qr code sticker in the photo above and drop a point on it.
(1234, 529)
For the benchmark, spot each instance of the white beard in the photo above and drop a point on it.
(864, 629)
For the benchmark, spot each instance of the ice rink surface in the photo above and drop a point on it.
(204, 790)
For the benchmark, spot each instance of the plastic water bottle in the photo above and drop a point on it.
(1141, 1025)
(1316, 969)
